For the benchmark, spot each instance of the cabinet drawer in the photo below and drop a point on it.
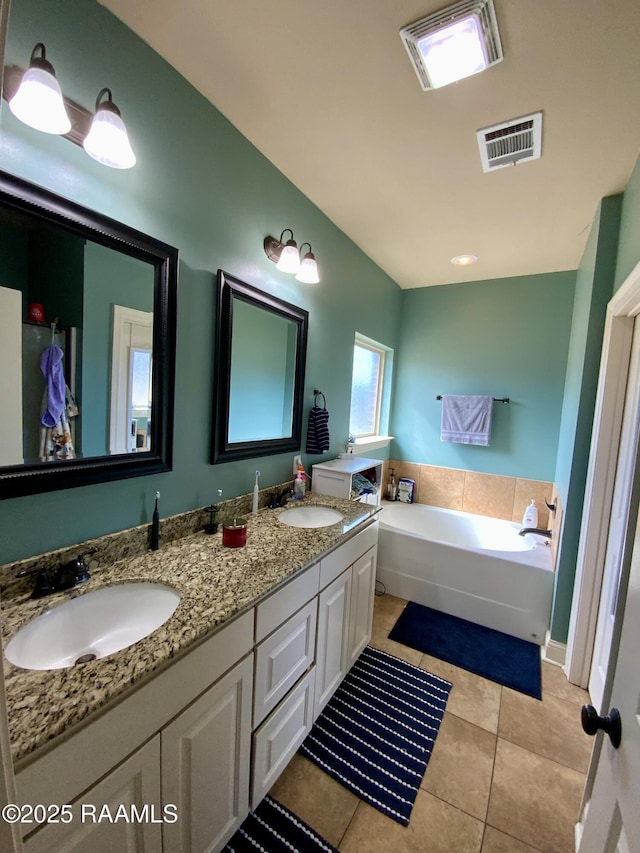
(280, 735)
(282, 604)
(282, 658)
(340, 559)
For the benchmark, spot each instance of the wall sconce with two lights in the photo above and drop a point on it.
(36, 99)
(286, 257)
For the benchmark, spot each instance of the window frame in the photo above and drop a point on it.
(383, 352)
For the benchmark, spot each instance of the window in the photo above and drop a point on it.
(371, 363)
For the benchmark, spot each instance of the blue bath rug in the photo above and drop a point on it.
(272, 828)
(376, 733)
(491, 654)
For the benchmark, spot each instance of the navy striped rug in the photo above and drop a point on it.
(272, 828)
(376, 733)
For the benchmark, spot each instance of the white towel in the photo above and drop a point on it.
(466, 419)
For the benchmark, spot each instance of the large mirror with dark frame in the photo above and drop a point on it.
(260, 353)
(87, 345)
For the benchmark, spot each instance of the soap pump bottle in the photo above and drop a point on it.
(299, 484)
(155, 526)
(530, 517)
(256, 495)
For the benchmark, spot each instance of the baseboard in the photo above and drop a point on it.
(554, 652)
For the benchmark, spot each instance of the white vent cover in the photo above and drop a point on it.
(510, 142)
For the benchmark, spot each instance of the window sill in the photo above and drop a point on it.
(371, 442)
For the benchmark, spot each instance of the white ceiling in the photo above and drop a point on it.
(325, 90)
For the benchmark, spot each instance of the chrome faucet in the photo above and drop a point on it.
(540, 531)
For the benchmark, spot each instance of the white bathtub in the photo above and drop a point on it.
(470, 566)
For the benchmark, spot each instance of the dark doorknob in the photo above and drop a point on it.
(611, 724)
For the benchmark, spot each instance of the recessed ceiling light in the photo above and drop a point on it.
(464, 260)
(453, 43)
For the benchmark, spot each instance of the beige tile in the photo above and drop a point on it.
(526, 490)
(489, 494)
(380, 640)
(550, 728)
(434, 827)
(386, 610)
(472, 697)
(461, 765)
(497, 842)
(441, 486)
(534, 799)
(554, 683)
(407, 469)
(316, 798)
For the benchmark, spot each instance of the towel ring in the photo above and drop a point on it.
(319, 394)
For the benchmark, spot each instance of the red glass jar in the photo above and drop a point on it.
(234, 535)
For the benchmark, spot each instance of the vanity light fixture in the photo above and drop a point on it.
(464, 260)
(453, 43)
(38, 101)
(107, 140)
(286, 257)
(308, 272)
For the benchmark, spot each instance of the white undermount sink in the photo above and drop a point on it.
(310, 516)
(93, 625)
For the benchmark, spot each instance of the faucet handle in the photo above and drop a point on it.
(43, 585)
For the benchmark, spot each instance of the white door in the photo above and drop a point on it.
(618, 524)
(363, 579)
(611, 816)
(333, 639)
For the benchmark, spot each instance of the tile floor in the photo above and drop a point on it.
(506, 774)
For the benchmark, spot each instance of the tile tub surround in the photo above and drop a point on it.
(482, 494)
(216, 584)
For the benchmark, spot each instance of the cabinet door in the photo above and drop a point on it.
(282, 658)
(333, 638)
(132, 789)
(363, 581)
(205, 765)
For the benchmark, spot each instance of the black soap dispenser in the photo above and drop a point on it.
(155, 526)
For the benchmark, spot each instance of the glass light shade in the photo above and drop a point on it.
(308, 272)
(38, 102)
(289, 260)
(464, 260)
(108, 142)
(454, 52)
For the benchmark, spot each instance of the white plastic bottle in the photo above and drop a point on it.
(530, 517)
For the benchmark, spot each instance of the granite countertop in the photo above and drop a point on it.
(215, 584)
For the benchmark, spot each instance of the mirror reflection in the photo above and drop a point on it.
(87, 345)
(259, 364)
(263, 361)
(76, 321)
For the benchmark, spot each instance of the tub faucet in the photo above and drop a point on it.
(540, 531)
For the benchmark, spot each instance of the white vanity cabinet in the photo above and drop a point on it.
(345, 611)
(135, 783)
(335, 477)
(205, 765)
(211, 733)
(209, 693)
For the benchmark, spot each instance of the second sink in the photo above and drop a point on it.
(93, 625)
(310, 516)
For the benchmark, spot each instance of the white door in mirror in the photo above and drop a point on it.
(92, 626)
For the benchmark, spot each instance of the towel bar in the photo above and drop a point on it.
(495, 399)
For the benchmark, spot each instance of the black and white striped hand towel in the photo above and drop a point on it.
(318, 432)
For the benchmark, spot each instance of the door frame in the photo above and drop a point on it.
(622, 309)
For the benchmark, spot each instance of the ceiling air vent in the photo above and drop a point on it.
(510, 142)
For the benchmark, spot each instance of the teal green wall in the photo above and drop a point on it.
(629, 245)
(201, 186)
(594, 286)
(507, 338)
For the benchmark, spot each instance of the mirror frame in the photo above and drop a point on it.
(222, 450)
(36, 477)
